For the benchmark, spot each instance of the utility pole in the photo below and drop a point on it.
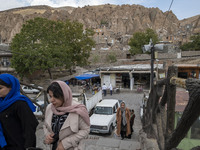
(151, 48)
(152, 65)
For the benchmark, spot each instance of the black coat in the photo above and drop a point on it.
(19, 126)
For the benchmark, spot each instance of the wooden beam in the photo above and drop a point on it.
(171, 101)
(178, 81)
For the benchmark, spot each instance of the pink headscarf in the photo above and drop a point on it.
(67, 105)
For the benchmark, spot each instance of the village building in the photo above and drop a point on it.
(128, 76)
(5, 59)
(188, 71)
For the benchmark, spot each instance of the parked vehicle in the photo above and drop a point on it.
(36, 86)
(143, 105)
(104, 118)
(30, 90)
(91, 102)
(80, 97)
(38, 111)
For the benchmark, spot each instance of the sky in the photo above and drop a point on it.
(181, 8)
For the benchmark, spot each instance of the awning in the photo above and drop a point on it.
(86, 76)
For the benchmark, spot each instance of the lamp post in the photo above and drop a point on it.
(151, 48)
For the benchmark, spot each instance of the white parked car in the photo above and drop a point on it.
(38, 110)
(30, 90)
(37, 86)
(104, 118)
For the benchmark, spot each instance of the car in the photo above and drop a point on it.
(103, 120)
(34, 85)
(40, 102)
(30, 90)
(38, 109)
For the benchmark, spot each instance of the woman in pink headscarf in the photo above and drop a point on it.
(66, 122)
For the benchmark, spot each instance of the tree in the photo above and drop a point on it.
(111, 58)
(43, 44)
(194, 45)
(79, 41)
(141, 38)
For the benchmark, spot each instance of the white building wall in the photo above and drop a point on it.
(107, 79)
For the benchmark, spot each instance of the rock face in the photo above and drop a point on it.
(113, 24)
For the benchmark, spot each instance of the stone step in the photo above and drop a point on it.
(112, 144)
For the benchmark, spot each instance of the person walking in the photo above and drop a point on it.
(104, 89)
(17, 121)
(93, 89)
(111, 88)
(66, 122)
(131, 122)
(123, 121)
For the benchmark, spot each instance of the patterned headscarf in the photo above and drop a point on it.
(123, 111)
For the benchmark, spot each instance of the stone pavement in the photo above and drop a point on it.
(97, 143)
(111, 144)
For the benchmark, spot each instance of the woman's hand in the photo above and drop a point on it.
(60, 146)
(49, 139)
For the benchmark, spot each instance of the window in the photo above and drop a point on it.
(5, 62)
(114, 109)
(103, 110)
(183, 75)
(193, 74)
(117, 105)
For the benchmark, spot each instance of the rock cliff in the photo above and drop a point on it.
(112, 23)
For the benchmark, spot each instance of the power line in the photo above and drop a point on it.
(14, 52)
(167, 14)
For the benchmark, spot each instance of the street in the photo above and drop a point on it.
(133, 100)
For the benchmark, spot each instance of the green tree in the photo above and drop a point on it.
(111, 58)
(193, 45)
(80, 42)
(141, 38)
(43, 44)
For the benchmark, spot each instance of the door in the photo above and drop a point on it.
(106, 80)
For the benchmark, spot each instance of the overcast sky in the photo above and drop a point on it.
(181, 8)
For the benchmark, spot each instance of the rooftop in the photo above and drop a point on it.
(132, 67)
(4, 49)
